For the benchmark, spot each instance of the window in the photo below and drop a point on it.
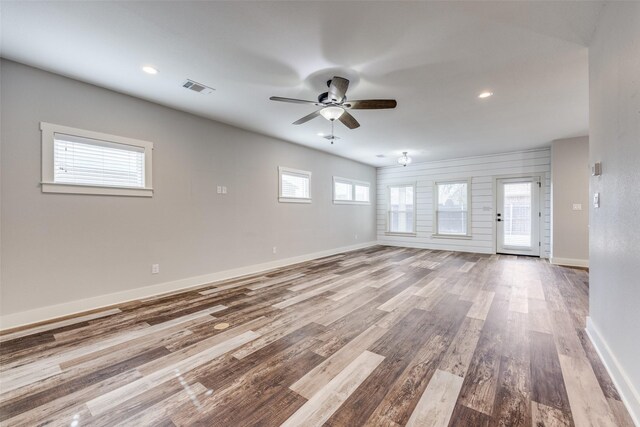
(362, 193)
(452, 200)
(84, 162)
(295, 185)
(349, 191)
(401, 216)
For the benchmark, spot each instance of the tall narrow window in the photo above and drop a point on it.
(295, 185)
(80, 161)
(401, 216)
(452, 200)
(349, 191)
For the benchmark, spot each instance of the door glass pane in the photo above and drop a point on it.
(517, 214)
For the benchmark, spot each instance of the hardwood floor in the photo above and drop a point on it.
(379, 337)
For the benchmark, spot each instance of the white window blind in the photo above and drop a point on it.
(452, 208)
(85, 161)
(350, 191)
(362, 193)
(79, 161)
(401, 213)
(295, 185)
(343, 190)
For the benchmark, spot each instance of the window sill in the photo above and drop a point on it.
(397, 233)
(50, 187)
(293, 200)
(452, 236)
(349, 202)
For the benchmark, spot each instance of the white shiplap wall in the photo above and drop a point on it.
(482, 171)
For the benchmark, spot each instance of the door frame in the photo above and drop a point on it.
(541, 176)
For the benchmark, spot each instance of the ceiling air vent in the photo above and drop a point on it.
(197, 87)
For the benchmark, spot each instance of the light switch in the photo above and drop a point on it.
(596, 200)
(224, 190)
(577, 206)
(219, 189)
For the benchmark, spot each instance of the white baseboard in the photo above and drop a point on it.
(628, 393)
(428, 246)
(73, 307)
(569, 262)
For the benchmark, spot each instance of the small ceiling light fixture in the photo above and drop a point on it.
(149, 70)
(404, 160)
(332, 113)
(485, 95)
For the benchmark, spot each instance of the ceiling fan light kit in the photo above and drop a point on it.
(404, 160)
(332, 113)
(334, 104)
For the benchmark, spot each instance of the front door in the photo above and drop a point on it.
(518, 216)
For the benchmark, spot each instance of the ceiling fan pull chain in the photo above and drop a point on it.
(332, 137)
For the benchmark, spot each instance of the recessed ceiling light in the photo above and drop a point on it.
(320, 134)
(149, 70)
(485, 95)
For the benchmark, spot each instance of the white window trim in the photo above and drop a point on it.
(415, 210)
(49, 186)
(353, 184)
(437, 235)
(281, 198)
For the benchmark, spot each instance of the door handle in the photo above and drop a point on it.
(498, 219)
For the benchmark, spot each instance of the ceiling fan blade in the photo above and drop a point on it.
(349, 121)
(371, 104)
(294, 101)
(338, 88)
(307, 118)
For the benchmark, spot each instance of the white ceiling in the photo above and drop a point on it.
(433, 57)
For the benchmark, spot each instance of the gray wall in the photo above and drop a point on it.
(614, 139)
(59, 248)
(569, 186)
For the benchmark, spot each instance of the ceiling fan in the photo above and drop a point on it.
(334, 104)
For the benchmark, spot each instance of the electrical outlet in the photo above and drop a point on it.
(155, 268)
(275, 250)
(577, 206)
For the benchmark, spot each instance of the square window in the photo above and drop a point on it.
(295, 185)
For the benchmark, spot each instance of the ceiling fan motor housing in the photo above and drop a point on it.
(324, 98)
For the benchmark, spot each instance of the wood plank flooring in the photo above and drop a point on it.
(383, 336)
